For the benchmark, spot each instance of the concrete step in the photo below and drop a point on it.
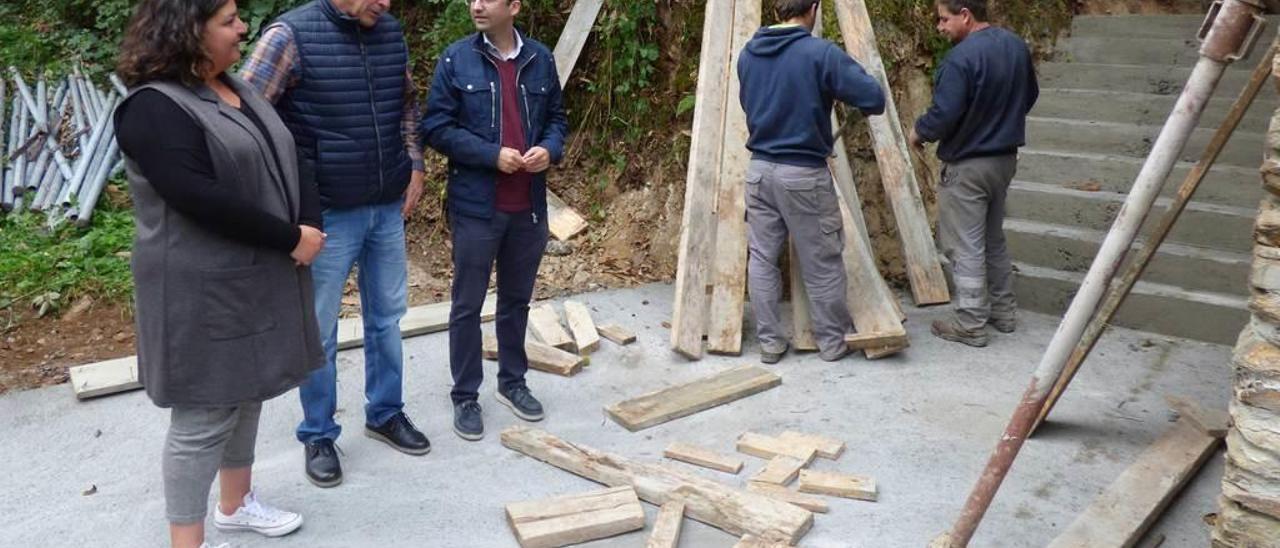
(1165, 80)
(1204, 225)
(1143, 26)
(1072, 249)
(1128, 50)
(1145, 108)
(1243, 150)
(1225, 185)
(1158, 308)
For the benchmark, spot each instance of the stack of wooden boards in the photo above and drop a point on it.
(552, 348)
(710, 277)
(765, 513)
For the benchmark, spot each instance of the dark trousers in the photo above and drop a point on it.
(515, 241)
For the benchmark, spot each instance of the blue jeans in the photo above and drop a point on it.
(371, 237)
(515, 242)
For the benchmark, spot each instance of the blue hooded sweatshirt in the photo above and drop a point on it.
(789, 81)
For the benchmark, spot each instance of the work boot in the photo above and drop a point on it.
(771, 358)
(399, 432)
(468, 422)
(323, 467)
(1004, 325)
(838, 355)
(950, 330)
(521, 402)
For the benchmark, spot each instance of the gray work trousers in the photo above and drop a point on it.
(201, 440)
(971, 208)
(801, 202)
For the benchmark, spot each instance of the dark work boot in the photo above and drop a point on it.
(323, 467)
(468, 422)
(399, 432)
(1004, 325)
(521, 402)
(950, 330)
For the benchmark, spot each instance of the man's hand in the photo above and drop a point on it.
(309, 245)
(915, 140)
(510, 161)
(537, 160)
(412, 194)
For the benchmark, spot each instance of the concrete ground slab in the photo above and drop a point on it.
(922, 423)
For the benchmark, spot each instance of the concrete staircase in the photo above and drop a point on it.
(1103, 100)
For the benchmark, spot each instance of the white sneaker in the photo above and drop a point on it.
(259, 518)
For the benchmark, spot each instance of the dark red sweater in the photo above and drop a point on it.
(513, 189)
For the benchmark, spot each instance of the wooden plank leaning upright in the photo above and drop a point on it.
(563, 220)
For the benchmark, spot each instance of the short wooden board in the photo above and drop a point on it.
(617, 334)
(780, 470)
(102, 378)
(666, 527)
(1213, 422)
(767, 447)
(585, 336)
(810, 503)
(869, 341)
(489, 346)
(838, 485)
(686, 399)
(750, 541)
(545, 325)
(577, 518)
(827, 448)
(706, 458)
(549, 359)
(563, 221)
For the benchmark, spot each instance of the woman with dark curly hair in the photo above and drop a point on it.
(225, 236)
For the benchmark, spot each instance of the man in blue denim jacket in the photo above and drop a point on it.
(495, 111)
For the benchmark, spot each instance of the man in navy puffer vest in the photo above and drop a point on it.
(495, 112)
(338, 73)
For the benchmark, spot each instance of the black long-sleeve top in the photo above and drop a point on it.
(172, 153)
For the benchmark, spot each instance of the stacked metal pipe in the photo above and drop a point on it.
(58, 148)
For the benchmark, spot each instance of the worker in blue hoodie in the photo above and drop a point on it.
(789, 82)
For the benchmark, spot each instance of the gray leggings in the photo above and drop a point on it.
(201, 440)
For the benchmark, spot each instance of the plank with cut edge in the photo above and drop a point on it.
(1213, 422)
(666, 527)
(686, 399)
(576, 518)
(1133, 502)
(838, 485)
(780, 470)
(705, 458)
(874, 340)
(697, 229)
(544, 322)
(103, 378)
(924, 269)
(801, 323)
(729, 263)
(549, 359)
(585, 336)
(751, 541)
(563, 221)
(767, 447)
(619, 335)
(827, 448)
(732, 510)
(808, 502)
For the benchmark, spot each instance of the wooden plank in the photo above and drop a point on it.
(549, 359)
(810, 503)
(574, 36)
(577, 518)
(767, 447)
(874, 340)
(619, 335)
(583, 327)
(801, 322)
(666, 528)
(121, 375)
(686, 399)
(1212, 422)
(489, 346)
(734, 511)
(780, 470)
(928, 285)
(838, 485)
(827, 448)
(697, 230)
(563, 221)
(1133, 502)
(703, 457)
(729, 277)
(544, 322)
(751, 541)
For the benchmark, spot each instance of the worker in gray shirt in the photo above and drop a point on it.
(983, 91)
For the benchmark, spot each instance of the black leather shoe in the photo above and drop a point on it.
(399, 432)
(521, 402)
(468, 423)
(323, 467)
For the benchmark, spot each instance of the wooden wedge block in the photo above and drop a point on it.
(826, 448)
(489, 346)
(1212, 422)
(545, 325)
(574, 519)
(706, 458)
(838, 485)
(780, 470)
(686, 399)
(582, 326)
(734, 511)
(666, 528)
(751, 541)
(766, 447)
(619, 335)
(865, 341)
(812, 504)
(1133, 502)
(550, 359)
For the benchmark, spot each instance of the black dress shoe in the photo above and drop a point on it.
(521, 402)
(399, 432)
(323, 467)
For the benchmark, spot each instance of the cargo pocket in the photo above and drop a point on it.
(802, 191)
(232, 302)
